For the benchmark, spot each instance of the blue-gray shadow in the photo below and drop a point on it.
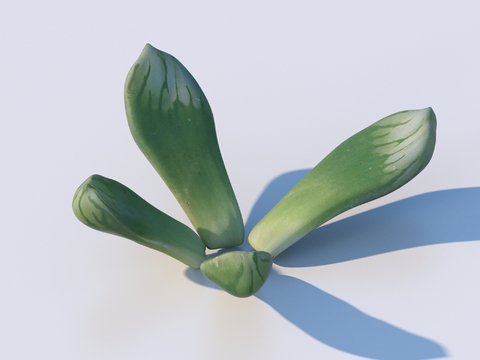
(438, 217)
(336, 323)
(431, 218)
(272, 194)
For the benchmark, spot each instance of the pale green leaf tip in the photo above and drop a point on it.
(148, 51)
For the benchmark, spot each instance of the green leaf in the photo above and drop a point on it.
(172, 123)
(370, 164)
(106, 205)
(239, 273)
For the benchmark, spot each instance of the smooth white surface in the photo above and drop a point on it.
(287, 81)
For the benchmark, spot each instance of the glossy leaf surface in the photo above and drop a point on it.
(370, 164)
(172, 124)
(239, 273)
(106, 205)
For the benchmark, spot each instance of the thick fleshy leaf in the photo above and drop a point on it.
(370, 164)
(172, 123)
(106, 205)
(239, 273)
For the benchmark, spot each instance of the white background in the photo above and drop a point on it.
(287, 82)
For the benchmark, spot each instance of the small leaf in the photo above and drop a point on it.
(239, 273)
(106, 205)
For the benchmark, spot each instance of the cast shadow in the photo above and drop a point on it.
(340, 325)
(272, 194)
(336, 323)
(431, 218)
